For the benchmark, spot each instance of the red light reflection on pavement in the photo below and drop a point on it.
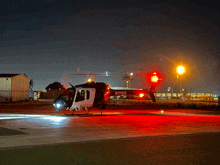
(59, 129)
(160, 123)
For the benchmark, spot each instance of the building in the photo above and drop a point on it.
(14, 87)
(186, 96)
(127, 80)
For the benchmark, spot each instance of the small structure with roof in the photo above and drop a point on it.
(14, 87)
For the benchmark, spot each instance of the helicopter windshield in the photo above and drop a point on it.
(67, 96)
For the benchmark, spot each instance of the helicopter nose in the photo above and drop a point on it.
(58, 105)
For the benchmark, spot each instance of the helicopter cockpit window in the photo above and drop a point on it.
(80, 95)
(71, 92)
(87, 95)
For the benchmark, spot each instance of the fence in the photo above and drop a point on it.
(50, 94)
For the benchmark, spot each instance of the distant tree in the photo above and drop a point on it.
(55, 86)
(31, 84)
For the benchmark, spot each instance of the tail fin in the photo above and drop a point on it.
(151, 93)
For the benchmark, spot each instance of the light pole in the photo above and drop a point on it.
(180, 70)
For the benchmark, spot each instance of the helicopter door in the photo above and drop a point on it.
(84, 98)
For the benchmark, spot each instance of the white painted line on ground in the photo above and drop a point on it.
(21, 116)
(9, 118)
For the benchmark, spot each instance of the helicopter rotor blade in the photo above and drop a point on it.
(71, 85)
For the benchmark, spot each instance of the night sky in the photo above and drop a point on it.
(49, 40)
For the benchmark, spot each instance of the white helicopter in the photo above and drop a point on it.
(84, 96)
(94, 94)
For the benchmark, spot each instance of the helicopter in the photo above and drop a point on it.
(96, 94)
(83, 97)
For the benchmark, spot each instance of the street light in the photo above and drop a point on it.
(180, 70)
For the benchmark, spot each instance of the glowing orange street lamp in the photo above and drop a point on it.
(180, 69)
